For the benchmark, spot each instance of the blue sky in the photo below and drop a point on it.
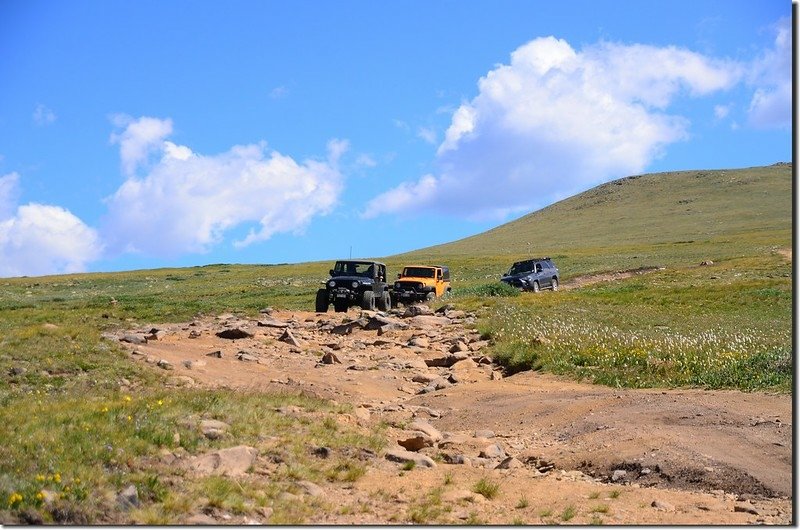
(175, 133)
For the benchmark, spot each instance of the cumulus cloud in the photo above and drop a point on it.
(187, 201)
(139, 139)
(37, 239)
(771, 74)
(556, 120)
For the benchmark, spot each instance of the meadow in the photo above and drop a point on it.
(80, 420)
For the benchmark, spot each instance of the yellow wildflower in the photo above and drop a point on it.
(127, 398)
(57, 477)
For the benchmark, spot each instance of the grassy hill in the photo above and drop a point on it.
(665, 218)
(67, 395)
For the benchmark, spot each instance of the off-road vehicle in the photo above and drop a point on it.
(533, 275)
(419, 283)
(355, 282)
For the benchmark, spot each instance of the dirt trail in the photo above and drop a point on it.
(677, 456)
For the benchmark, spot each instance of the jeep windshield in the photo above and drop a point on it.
(419, 272)
(353, 268)
(520, 267)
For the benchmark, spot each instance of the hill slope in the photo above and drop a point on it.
(664, 217)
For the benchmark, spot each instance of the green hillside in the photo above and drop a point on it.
(666, 218)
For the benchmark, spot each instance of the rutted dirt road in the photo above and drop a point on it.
(614, 456)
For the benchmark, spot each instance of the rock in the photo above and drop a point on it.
(233, 461)
(165, 364)
(180, 380)
(447, 361)
(492, 451)
(17, 370)
(130, 338)
(272, 323)
(192, 364)
(213, 429)
(266, 310)
(289, 338)
(330, 358)
(510, 463)
(455, 314)
(194, 334)
(347, 327)
(459, 346)
(458, 459)
(322, 452)
(425, 378)
(128, 498)
(663, 506)
(217, 354)
(706, 263)
(48, 326)
(419, 342)
(618, 475)
(427, 428)
(485, 433)
(423, 321)
(415, 441)
(417, 310)
(246, 357)
(233, 334)
(201, 519)
(379, 321)
(311, 489)
(403, 456)
(745, 508)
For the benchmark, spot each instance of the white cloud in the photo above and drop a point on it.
(37, 239)
(139, 139)
(187, 201)
(721, 111)
(43, 115)
(556, 120)
(428, 134)
(279, 92)
(771, 74)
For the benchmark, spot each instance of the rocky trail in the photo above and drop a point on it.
(560, 451)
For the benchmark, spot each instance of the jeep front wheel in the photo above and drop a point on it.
(430, 296)
(368, 301)
(555, 284)
(535, 286)
(384, 303)
(321, 305)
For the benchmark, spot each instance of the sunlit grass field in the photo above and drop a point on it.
(81, 421)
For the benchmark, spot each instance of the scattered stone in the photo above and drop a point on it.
(194, 334)
(458, 459)
(233, 461)
(415, 441)
(458, 347)
(192, 364)
(423, 321)
(322, 452)
(233, 334)
(706, 263)
(50, 327)
(618, 475)
(213, 429)
(746, 508)
(289, 338)
(246, 357)
(485, 433)
(272, 323)
(455, 314)
(444, 309)
(419, 342)
(447, 361)
(165, 364)
(128, 498)
(427, 428)
(492, 451)
(180, 380)
(130, 338)
(330, 358)
(402, 456)
(17, 370)
(311, 489)
(266, 311)
(217, 354)
(425, 378)
(663, 506)
(201, 519)
(417, 310)
(510, 463)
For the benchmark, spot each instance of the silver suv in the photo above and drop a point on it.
(533, 275)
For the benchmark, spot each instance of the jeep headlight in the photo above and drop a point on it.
(397, 285)
(420, 285)
(354, 285)
(331, 283)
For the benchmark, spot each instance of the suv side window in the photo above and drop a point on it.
(538, 267)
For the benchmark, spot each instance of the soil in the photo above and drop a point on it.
(582, 453)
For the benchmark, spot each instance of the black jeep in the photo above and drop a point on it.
(355, 282)
(532, 275)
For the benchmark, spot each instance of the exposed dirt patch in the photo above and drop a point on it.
(588, 279)
(553, 446)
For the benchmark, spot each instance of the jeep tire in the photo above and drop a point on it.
(536, 286)
(384, 303)
(555, 284)
(321, 304)
(368, 301)
(430, 296)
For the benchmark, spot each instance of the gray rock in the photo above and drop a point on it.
(510, 463)
(459, 346)
(289, 338)
(246, 357)
(272, 323)
(130, 338)
(128, 498)
(311, 489)
(427, 428)
(402, 456)
(447, 361)
(618, 475)
(417, 310)
(165, 364)
(419, 342)
(217, 354)
(485, 433)
(745, 507)
(233, 334)
(233, 461)
(663, 506)
(492, 451)
(444, 309)
(330, 358)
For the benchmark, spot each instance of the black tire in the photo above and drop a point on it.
(384, 303)
(340, 307)
(393, 301)
(555, 284)
(368, 301)
(430, 297)
(321, 304)
(536, 286)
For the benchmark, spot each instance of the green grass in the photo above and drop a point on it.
(487, 488)
(74, 439)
